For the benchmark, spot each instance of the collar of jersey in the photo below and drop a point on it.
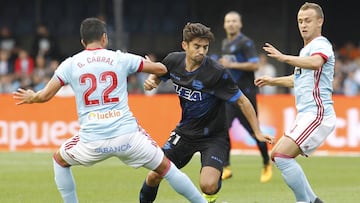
(93, 49)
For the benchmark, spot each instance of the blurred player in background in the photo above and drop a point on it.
(240, 57)
(312, 82)
(203, 87)
(107, 126)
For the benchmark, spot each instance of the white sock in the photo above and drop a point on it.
(294, 177)
(65, 183)
(183, 185)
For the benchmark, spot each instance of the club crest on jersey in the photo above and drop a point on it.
(197, 84)
(186, 93)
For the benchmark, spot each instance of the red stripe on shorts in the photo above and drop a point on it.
(74, 140)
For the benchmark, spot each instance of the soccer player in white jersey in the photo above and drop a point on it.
(98, 77)
(312, 82)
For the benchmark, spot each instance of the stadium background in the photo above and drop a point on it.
(144, 26)
(155, 26)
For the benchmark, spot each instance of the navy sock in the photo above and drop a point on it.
(264, 152)
(147, 193)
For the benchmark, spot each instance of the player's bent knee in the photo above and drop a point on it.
(57, 157)
(153, 179)
(208, 188)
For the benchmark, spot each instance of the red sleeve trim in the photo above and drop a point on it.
(321, 54)
(141, 66)
(62, 83)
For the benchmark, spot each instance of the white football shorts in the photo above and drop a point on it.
(135, 149)
(309, 131)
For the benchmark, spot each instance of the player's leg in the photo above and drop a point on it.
(210, 182)
(163, 168)
(149, 189)
(230, 116)
(64, 180)
(71, 153)
(283, 155)
(227, 172)
(179, 181)
(308, 133)
(63, 177)
(266, 171)
(213, 152)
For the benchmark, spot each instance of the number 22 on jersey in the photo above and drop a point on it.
(91, 80)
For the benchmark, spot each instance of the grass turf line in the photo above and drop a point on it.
(28, 177)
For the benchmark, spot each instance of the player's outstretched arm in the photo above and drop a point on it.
(44, 95)
(313, 62)
(156, 68)
(285, 81)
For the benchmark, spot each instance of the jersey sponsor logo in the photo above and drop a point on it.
(189, 94)
(106, 150)
(95, 115)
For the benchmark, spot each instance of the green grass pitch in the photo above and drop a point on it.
(28, 177)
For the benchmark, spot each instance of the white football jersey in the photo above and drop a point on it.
(99, 80)
(313, 88)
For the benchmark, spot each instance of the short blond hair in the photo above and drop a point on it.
(313, 6)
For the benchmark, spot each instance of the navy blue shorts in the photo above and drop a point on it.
(213, 150)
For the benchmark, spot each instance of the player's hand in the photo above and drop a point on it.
(263, 81)
(24, 96)
(269, 139)
(265, 138)
(273, 52)
(150, 84)
(147, 59)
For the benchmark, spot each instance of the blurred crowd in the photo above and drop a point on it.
(32, 68)
(347, 70)
(20, 67)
